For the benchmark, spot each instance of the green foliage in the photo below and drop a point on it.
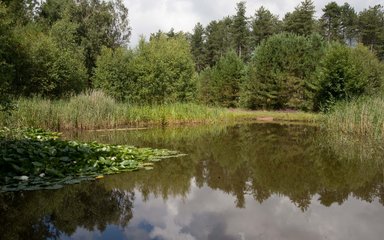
(6, 63)
(34, 159)
(198, 47)
(346, 73)
(219, 40)
(331, 22)
(49, 70)
(280, 74)
(96, 110)
(361, 118)
(97, 24)
(371, 27)
(349, 23)
(164, 71)
(301, 21)
(240, 31)
(220, 85)
(264, 24)
(114, 74)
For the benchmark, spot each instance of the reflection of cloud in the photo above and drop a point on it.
(211, 214)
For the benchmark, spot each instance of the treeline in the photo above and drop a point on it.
(58, 48)
(298, 62)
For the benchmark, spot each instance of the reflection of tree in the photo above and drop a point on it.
(255, 159)
(47, 214)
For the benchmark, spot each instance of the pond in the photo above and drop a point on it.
(247, 181)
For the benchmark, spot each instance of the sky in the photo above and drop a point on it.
(149, 16)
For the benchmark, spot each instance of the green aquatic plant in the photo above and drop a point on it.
(32, 159)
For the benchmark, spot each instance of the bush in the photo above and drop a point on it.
(164, 71)
(49, 70)
(281, 73)
(114, 74)
(220, 85)
(346, 73)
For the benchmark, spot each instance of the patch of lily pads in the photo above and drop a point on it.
(33, 159)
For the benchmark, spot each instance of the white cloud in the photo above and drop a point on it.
(148, 16)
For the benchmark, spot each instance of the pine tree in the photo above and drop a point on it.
(240, 31)
(331, 22)
(301, 21)
(264, 24)
(349, 22)
(219, 40)
(198, 47)
(371, 28)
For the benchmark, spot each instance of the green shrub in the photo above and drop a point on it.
(164, 71)
(281, 73)
(49, 70)
(220, 85)
(346, 73)
(114, 75)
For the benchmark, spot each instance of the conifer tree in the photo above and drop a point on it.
(371, 28)
(264, 24)
(331, 22)
(198, 47)
(301, 21)
(240, 31)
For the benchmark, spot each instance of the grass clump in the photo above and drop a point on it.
(363, 117)
(95, 110)
(33, 159)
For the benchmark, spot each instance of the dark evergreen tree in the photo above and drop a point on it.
(219, 40)
(331, 22)
(264, 24)
(220, 85)
(371, 29)
(198, 47)
(281, 73)
(301, 21)
(240, 31)
(349, 22)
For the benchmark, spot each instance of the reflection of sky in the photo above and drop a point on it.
(211, 214)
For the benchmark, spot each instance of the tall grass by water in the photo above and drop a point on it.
(95, 110)
(363, 117)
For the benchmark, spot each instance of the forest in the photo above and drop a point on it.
(57, 49)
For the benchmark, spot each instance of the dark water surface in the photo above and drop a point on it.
(251, 181)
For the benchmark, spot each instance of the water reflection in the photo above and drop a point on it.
(254, 181)
(54, 214)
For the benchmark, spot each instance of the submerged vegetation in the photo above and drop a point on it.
(34, 159)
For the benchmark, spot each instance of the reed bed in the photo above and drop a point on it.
(95, 110)
(363, 117)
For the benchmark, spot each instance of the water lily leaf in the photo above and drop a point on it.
(53, 187)
(37, 164)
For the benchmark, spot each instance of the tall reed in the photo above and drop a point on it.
(362, 117)
(95, 110)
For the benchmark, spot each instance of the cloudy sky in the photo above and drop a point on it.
(148, 16)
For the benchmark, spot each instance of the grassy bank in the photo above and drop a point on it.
(363, 117)
(97, 111)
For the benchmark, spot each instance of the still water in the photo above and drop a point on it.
(250, 181)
